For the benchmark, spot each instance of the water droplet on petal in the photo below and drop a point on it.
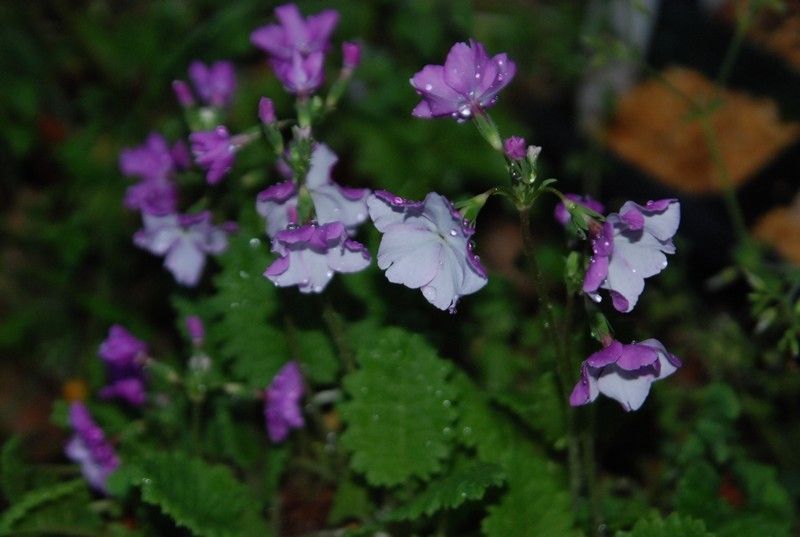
(397, 200)
(453, 232)
(428, 87)
(329, 274)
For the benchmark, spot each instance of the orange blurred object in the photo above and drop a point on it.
(780, 228)
(74, 390)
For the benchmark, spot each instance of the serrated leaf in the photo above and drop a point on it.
(202, 497)
(350, 502)
(317, 354)
(49, 508)
(244, 305)
(671, 526)
(468, 481)
(400, 408)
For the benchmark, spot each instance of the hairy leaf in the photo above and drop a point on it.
(467, 481)
(50, 508)
(351, 502)
(671, 526)
(400, 408)
(205, 498)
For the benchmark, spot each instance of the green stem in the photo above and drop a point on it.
(564, 367)
(336, 327)
(595, 507)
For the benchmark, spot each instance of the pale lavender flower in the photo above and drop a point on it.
(468, 82)
(300, 74)
(561, 213)
(333, 202)
(89, 448)
(282, 409)
(278, 205)
(351, 55)
(426, 245)
(124, 355)
(184, 240)
(214, 151)
(194, 325)
(266, 111)
(515, 147)
(150, 161)
(630, 247)
(311, 254)
(624, 373)
(294, 34)
(215, 83)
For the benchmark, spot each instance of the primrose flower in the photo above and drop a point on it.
(184, 240)
(312, 253)
(515, 147)
(426, 245)
(215, 83)
(332, 202)
(152, 196)
(214, 151)
(624, 373)
(630, 247)
(278, 205)
(282, 402)
(294, 34)
(124, 355)
(561, 213)
(150, 161)
(89, 448)
(121, 348)
(300, 74)
(468, 82)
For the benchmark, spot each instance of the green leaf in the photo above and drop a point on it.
(351, 502)
(49, 508)
(244, 306)
(17, 476)
(400, 408)
(204, 498)
(674, 525)
(317, 354)
(468, 481)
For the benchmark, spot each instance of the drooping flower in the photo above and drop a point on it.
(89, 448)
(278, 205)
(312, 253)
(282, 402)
(630, 247)
(215, 83)
(214, 151)
(468, 82)
(184, 240)
(294, 34)
(561, 213)
(300, 74)
(515, 147)
(624, 373)
(351, 55)
(124, 355)
(333, 202)
(426, 245)
(150, 161)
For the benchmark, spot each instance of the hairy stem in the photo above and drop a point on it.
(556, 333)
(336, 327)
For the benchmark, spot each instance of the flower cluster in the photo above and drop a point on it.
(282, 410)
(153, 163)
(124, 356)
(89, 448)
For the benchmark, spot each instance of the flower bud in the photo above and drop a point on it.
(514, 147)
(183, 93)
(351, 53)
(194, 325)
(266, 111)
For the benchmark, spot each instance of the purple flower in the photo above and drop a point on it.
(89, 448)
(181, 157)
(184, 240)
(194, 325)
(150, 161)
(332, 202)
(630, 247)
(214, 151)
(215, 83)
(300, 74)
(426, 244)
(121, 348)
(561, 213)
(624, 373)
(183, 93)
(266, 111)
(515, 147)
(124, 355)
(152, 196)
(351, 55)
(282, 402)
(293, 34)
(310, 254)
(278, 205)
(468, 82)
